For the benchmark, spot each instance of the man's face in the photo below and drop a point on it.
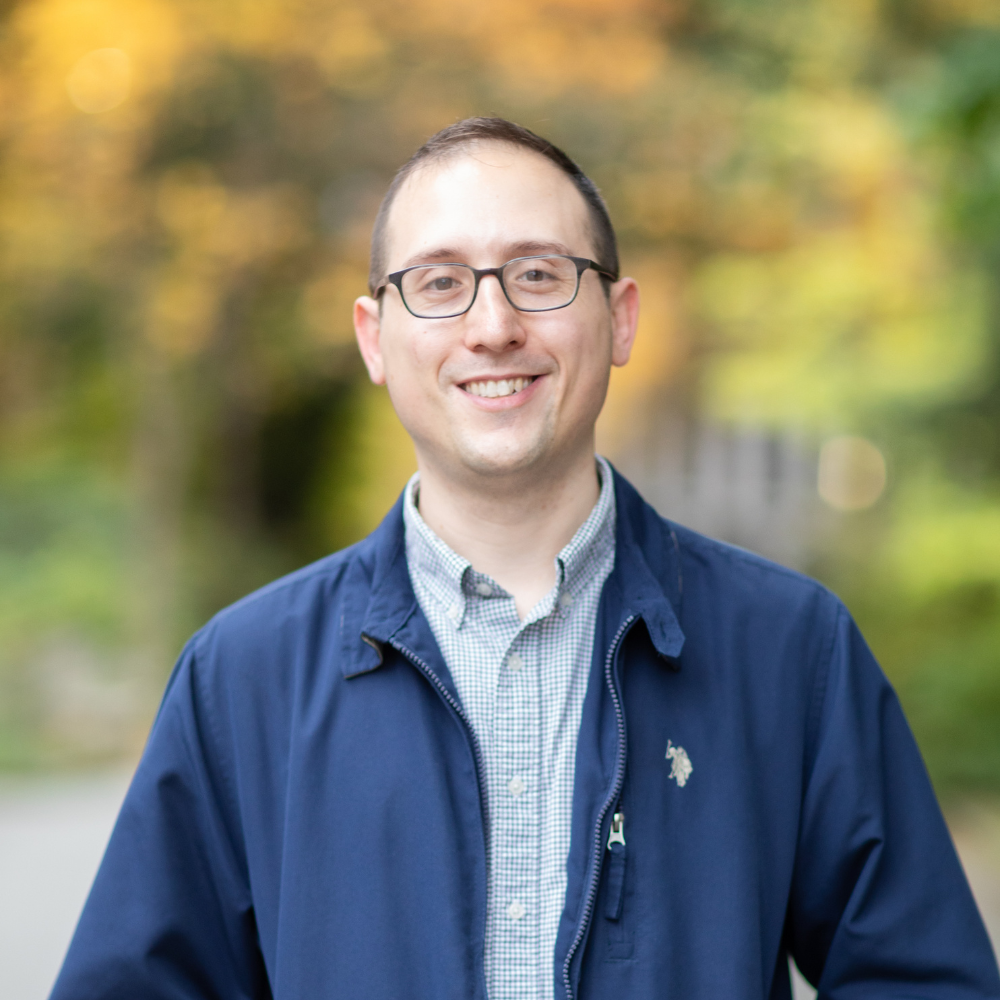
(483, 207)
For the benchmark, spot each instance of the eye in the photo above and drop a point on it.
(441, 283)
(535, 276)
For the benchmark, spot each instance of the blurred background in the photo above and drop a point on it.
(808, 193)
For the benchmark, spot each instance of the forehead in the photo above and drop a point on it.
(483, 201)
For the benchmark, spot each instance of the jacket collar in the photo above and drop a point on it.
(646, 574)
(648, 570)
(378, 596)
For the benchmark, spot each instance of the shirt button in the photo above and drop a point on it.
(565, 600)
(455, 612)
(516, 910)
(514, 661)
(516, 785)
(484, 590)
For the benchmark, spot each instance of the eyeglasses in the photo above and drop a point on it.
(531, 284)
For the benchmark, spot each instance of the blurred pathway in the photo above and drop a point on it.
(53, 832)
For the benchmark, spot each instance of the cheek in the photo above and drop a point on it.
(412, 366)
(589, 357)
(408, 356)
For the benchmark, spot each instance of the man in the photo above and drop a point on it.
(528, 739)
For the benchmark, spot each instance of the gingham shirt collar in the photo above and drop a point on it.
(452, 580)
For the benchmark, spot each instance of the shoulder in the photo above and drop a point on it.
(703, 573)
(304, 607)
(711, 562)
(738, 611)
(745, 615)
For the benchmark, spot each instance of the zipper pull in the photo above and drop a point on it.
(616, 868)
(617, 834)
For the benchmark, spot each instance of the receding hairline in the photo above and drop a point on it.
(439, 158)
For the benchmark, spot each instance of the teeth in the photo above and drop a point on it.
(504, 387)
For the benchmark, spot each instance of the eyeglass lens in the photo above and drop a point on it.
(533, 284)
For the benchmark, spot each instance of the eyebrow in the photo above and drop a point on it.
(522, 248)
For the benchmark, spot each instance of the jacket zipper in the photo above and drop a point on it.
(612, 797)
(425, 669)
(616, 867)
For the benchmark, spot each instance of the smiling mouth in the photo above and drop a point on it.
(501, 387)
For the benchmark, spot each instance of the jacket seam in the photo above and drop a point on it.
(305, 575)
(744, 557)
(821, 686)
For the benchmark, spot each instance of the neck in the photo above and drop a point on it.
(512, 530)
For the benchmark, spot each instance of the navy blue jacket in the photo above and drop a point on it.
(308, 817)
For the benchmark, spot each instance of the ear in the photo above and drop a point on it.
(367, 326)
(624, 303)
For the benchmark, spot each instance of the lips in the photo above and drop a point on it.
(494, 388)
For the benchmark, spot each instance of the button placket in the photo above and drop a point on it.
(515, 724)
(516, 734)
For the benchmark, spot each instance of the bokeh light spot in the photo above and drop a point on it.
(852, 473)
(100, 80)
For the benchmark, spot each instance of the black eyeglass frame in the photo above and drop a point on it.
(582, 264)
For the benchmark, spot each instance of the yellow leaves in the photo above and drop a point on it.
(182, 310)
(537, 49)
(849, 137)
(220, 235)
(542, 48)
(547, 47)
(352, 51)
(834, 324)
(227, 224)
(346, 40)
(329, 301)
(857, 307)
(190, 203)
(616, 59)
(90, 54)
(37, 236)
(100, 80)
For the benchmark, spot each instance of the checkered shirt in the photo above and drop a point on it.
(522, 685)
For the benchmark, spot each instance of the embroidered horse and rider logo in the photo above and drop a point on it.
(680, 764)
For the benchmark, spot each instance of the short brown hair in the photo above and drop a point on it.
(474, 130)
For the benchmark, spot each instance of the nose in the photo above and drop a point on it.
(492, 322)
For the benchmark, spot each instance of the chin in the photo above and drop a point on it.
(493, 458)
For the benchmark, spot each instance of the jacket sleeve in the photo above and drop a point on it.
(170, 913)
(880, 906)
